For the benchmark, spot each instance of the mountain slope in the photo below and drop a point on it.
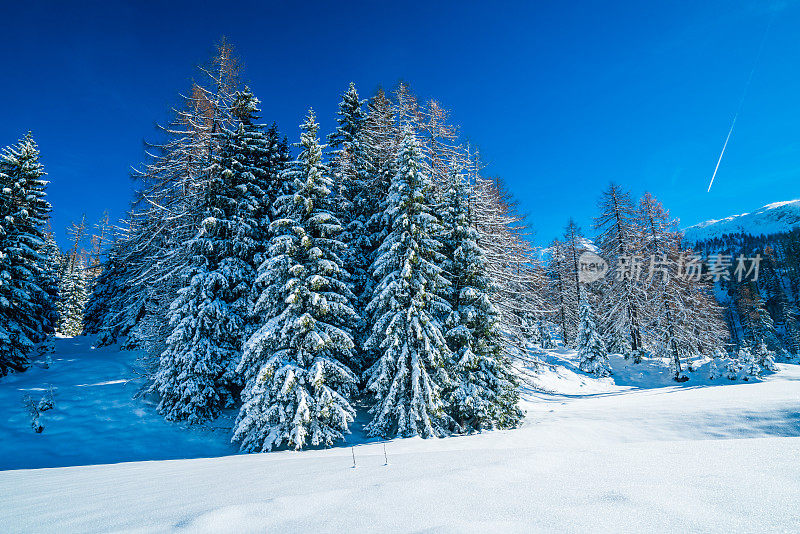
(774, 218)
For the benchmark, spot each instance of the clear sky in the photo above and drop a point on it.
(561, 97)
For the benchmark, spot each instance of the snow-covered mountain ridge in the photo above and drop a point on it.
(774, 218)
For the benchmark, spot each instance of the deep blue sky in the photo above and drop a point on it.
(561, 97)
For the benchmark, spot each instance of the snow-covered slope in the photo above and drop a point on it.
(630, 453)
(773, 218)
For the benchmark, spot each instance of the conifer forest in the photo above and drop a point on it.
(277, 289)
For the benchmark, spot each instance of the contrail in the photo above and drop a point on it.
(741, 101)
(722, 153)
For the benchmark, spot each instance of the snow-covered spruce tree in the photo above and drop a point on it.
(73, 289)
(278, 183)
(51, 268)
(408, 375)
(348, 153)
(748, 363)
(194, 378)
(204, 339)
(278, 199)
(110, 311)
(211, 316)
(26, 307)
(250, 163)
(15, 345)
(37, 210)
(104, 290)
(765, 357)
(73, 285)
(297, 386)
(381, 138)
(717, 367)
(352, 173)
(590, 344)
(624, 298)
(483, 392)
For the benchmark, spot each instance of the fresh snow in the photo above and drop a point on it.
(773, 218)
(96, 419)
(632, 452)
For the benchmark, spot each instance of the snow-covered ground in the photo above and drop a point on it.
(630, 453)
(96, 419)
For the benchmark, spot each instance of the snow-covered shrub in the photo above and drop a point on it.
(733, 368)
(33, 412)
(47, 401)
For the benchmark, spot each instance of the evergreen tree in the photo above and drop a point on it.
(354, 200)
(734, 366)
(297, 386)
(407, 377)
(105, 290)
(51, 268)
(381, 141)
(73, 289)
(748, 363)
(110, 312)
(195, 378)
(37, 214)
(26, 307)
(214, 315)
(765, 357)
(278, 183)
(250, 164)
(591, 347)
(191, 377)
(483, 394)
(73, 284)
(717, 366)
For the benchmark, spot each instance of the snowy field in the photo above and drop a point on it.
(630, 453)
